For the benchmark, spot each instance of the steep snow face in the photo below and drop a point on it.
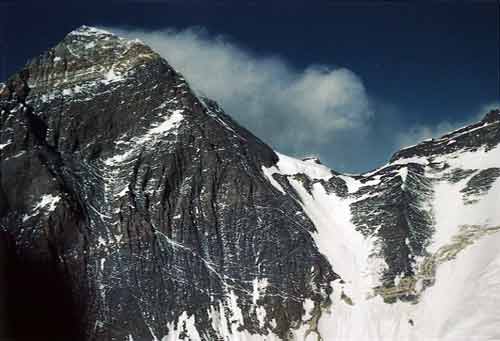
(336, 236)
(463, 202)
(453, 288)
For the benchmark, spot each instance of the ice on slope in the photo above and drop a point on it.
(167, 125)
(185, 326)
(451, 213)
(112, 76)
(3, 145)
(345, 248)
(47, 203)
(464, 302)
(290, 166)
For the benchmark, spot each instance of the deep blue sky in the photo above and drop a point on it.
(434, 62)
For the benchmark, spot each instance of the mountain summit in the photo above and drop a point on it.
(133, 209)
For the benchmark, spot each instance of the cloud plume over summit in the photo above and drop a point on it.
(318, 110)
(294, 110)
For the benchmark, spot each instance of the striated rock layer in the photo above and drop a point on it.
(133, 209)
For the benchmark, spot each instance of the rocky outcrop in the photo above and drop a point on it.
(133, 209)
(148, 200)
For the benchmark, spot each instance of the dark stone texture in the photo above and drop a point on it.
(485, 133)
(479, 184)
(127, 200)
(394, 211)
(138, 225)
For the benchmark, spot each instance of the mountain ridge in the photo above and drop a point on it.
(167, 220)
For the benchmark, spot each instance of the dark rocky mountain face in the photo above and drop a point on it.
(145, 200)
(133, 209)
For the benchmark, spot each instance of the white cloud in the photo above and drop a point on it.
(296, 111)
(318, 110)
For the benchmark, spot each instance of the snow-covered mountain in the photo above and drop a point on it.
(133, 209)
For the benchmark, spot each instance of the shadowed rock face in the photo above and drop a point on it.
(128, 205)
(142, 201)
(37, 302)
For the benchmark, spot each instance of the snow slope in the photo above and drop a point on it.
(462, 299)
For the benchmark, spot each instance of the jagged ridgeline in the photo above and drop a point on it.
(133, 209)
